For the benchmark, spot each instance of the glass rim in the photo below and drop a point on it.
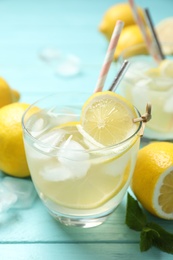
(142, 44)
(104, 148)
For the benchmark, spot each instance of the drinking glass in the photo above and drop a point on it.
(80, 184)
(145, 83)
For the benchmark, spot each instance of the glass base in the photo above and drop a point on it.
(80, 222)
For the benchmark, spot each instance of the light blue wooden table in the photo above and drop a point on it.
(26, 29)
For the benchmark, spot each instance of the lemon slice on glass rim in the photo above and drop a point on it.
(108, 118)
(106, 122)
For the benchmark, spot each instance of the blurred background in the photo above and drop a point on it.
(31, 30)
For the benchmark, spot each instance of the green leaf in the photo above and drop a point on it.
(146, 241)
(161, 238)
(135, 218)
(151, 233)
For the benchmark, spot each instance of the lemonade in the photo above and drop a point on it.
(82, 157)
(146, 81)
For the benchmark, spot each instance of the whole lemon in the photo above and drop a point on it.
(120, 11)
(12, 154)
(7, 95)
(130, 36)
(152, 181)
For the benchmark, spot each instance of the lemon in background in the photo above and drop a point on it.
(12, 154)
(152, 181)
(121, 11)
(130, 34)
(7, 95)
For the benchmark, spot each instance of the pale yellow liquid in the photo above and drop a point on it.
(100, 188)
(158, 90)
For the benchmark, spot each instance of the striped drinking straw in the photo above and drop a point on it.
(149, 43)
(109, 56)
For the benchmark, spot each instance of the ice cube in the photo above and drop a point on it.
(143, 83)
(140, 65)
(7, 199)
(69, 66)
(38, 123)
(162, 84)
(55, 172)
(168, 107)
(140, 94)
(22, 189)
(49, 54)
(136, 71)
(117, 166)
(73, 156)
(50, 140)
(35, 154)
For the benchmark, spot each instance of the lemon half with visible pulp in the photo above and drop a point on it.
(152, 181)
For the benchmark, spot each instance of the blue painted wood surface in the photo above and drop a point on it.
(71, 26)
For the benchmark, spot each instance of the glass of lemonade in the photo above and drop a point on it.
(81, 157)
(146, 81)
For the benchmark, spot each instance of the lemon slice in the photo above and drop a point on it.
(152, 181)
(153, 72)
(79, 135)
(166, 68)
(89, 193)
(104, 178)
(108, 118)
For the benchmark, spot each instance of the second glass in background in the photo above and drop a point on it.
(147, 82)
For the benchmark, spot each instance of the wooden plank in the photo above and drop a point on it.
(102, 251)
(36, 225)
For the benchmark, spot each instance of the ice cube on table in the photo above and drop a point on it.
(7, 199)
(65, 65)
(49, 54)
(69, 66)
(23, 189)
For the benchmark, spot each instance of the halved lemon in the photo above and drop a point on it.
(108, 118)
(152, 181)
